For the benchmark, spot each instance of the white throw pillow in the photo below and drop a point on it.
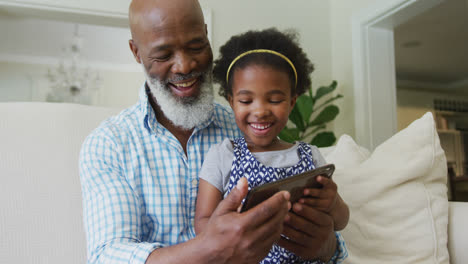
(397, 197)
(346, 153)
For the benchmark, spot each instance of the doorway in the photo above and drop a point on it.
(377, 53)
(374, 66)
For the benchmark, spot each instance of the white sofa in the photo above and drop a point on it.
(40, 196)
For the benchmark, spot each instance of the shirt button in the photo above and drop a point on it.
(194, 183)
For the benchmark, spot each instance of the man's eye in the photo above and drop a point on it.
(197, 49)
(162, 57)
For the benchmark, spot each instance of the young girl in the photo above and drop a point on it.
(261, 74)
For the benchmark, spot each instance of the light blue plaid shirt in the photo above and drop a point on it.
(139, 188)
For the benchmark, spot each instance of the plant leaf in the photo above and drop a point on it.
(338, 96)
(305, 106)
(323, 139)
(289, 134)
(315, 130)
(297, 119)
(326, 115)
(324, 90)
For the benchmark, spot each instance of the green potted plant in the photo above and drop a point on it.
(310, 117)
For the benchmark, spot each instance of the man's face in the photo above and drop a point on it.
(184, 112)
(172, 45)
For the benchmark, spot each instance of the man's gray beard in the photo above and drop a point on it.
(185, 113)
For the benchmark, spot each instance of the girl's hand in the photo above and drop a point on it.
(323, 199)
(329, 201)
(308, 232)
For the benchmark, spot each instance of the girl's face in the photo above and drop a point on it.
(261, 100)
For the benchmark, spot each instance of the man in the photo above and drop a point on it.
(139, 169)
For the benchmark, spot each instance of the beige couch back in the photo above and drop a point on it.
(40, 210)
(40, 196)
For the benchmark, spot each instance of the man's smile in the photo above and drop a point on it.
(185, 84)
(186, 88)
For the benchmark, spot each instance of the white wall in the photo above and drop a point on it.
(15, 85)
(311, 18)
(342, 64)
(324, 26)
(33, 45)
(33, 40)
(28, 82)
(111, 8)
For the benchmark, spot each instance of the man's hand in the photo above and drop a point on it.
(247, 237)
(309, 233)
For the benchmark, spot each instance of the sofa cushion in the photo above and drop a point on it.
(397, 197)
(346, 153)
(40, 194)
(458, 233)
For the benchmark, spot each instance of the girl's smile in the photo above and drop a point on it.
(261, 100)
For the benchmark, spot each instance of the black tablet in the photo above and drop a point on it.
(295, 185)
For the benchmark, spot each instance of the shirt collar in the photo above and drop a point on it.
(147, 115)
(143, 100)
(216, 117)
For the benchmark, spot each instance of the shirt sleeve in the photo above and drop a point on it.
(217, 164)
(317, 157)
(111, 209)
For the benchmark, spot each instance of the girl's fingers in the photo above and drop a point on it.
(327, 183)
(313, 192)
(328, 189)
(321, 204)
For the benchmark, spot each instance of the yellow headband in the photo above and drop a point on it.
(261, 51)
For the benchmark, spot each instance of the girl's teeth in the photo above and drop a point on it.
(261, 127)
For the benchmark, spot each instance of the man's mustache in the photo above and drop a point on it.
(178, 77)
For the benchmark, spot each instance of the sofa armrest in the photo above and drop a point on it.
(458, 232)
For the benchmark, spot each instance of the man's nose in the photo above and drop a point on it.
(183, 63)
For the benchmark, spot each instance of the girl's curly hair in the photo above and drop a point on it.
(283, 42)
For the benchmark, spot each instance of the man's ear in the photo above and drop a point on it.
(134, 49)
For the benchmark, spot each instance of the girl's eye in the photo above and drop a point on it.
(276, 101)
(245, 101)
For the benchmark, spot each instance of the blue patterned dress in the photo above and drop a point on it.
(246, 165)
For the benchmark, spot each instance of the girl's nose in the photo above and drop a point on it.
(261, 111)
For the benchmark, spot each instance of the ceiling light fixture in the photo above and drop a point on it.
(73, 80)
